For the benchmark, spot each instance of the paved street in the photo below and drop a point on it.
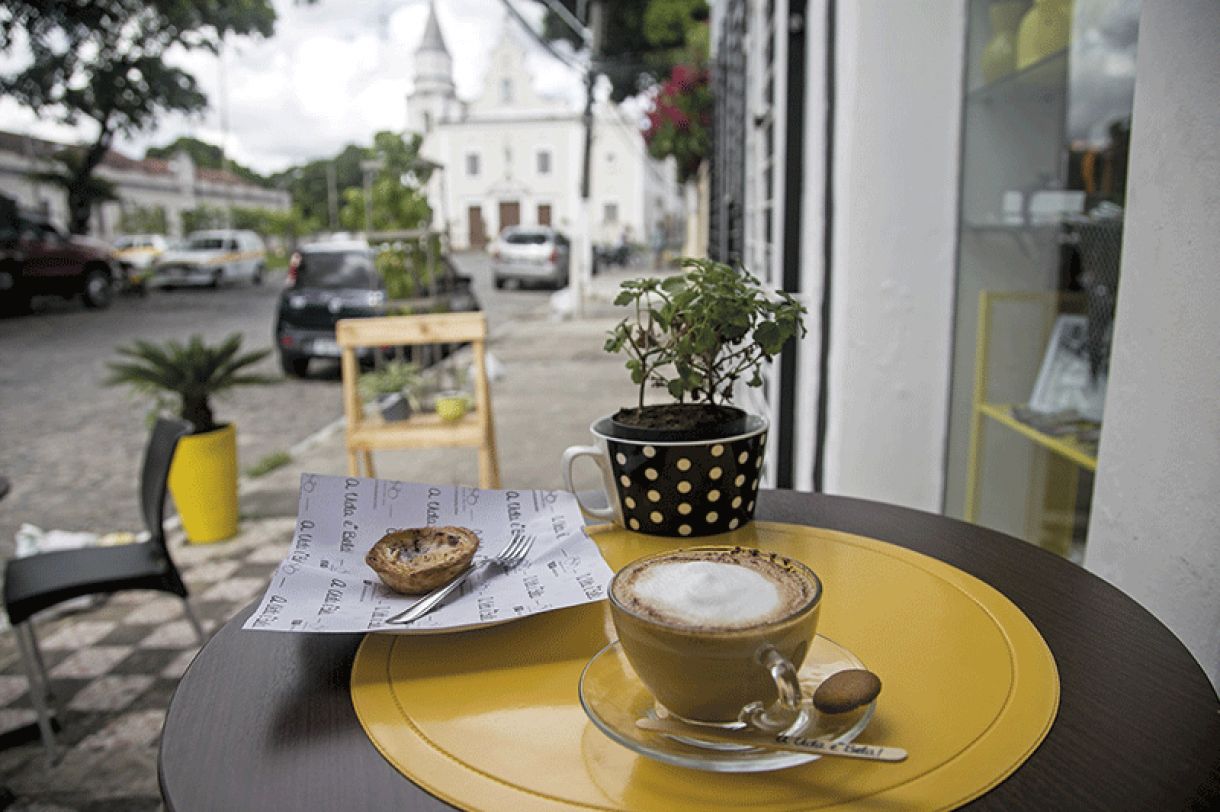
(72, 447)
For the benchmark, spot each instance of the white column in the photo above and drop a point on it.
(1155, 527)
(896, 156)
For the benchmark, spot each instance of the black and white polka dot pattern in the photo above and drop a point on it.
(687, 489)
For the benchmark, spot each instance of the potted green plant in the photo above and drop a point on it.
(394, 386)
(184, 377)
(689, 467)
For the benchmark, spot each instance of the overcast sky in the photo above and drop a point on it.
(334, 73)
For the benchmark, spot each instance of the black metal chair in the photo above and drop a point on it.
(41, 581)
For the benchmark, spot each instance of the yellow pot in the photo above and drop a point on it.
(1000, 54)
(203, 481)
(1045, 29)
(452, 407)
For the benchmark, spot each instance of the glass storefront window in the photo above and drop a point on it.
(1045, 124)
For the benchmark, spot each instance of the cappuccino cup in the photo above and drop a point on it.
(716, 634)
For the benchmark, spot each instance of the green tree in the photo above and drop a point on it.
(395, 193)
(205, 155)
(642, 40)
(291, 224)
(203, 218)
(144, 220)
(308, 184)
(102, 61)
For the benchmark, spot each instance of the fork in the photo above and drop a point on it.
(513, 554)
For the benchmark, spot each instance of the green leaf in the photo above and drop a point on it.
(769, 337)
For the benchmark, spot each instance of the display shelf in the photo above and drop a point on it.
(1082, 454)
(982, 408)
(1046, 76)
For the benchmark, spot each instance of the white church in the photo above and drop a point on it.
(513, 156)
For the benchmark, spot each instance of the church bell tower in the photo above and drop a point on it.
(433, 99)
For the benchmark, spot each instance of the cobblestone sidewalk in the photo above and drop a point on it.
(113, 669)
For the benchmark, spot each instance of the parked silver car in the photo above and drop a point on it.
(531, 254)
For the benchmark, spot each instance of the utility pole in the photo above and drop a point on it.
(224, 137)
(590, 33)
(583, 278)
(369, 167)
(332, 195)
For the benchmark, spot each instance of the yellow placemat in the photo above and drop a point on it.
(490, 719)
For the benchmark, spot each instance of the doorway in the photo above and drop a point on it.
(478, 230)
(510, 214)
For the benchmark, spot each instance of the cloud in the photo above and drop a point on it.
(334, 73)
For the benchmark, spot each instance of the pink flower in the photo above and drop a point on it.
(684, 76)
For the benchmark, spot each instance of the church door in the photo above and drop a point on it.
(510, 214)
(478, 231)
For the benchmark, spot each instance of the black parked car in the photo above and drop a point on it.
(338, 280)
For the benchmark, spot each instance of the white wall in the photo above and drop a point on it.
(497, 181)
(619, 163)
(1155, 527)
(898, 88)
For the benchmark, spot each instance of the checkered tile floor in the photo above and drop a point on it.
(113, 669)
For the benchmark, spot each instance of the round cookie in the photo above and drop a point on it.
(420, 559)
(846, 690)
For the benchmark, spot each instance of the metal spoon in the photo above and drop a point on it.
(798, 744)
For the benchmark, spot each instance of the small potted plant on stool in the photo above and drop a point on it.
(393, 387)
(689, 467)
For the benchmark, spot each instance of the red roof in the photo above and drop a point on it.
(41, 148)
(149, 166)
(220, 176)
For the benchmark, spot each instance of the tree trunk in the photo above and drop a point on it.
(198, 412)
(80, 190)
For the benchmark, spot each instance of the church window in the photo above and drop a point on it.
(544, 162)
(472, 163)
(506, 91)
(610, 213)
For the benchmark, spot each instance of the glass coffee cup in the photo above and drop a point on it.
(717, 634)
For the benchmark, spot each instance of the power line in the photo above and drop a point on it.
(524, 23)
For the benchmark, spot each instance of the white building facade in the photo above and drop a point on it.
(865, 161)
(513, 156)
(174, 186)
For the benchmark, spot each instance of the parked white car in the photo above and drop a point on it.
(213, 258)
(529, 254)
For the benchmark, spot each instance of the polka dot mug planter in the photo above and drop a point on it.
(675, 488)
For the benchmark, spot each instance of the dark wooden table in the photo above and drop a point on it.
(265, 721)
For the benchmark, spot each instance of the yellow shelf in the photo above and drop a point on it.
(1068, 447)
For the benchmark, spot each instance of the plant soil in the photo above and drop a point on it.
(678, 416)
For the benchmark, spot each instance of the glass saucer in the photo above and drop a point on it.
(614, 699)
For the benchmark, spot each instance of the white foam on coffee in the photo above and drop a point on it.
(707, 593)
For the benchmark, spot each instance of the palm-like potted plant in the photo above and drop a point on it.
(690, 467)
(183, 378)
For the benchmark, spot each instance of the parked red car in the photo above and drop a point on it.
(39, 259)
